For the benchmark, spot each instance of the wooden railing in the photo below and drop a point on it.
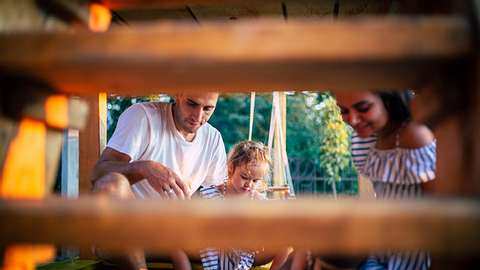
(260, 55)
(444, 227)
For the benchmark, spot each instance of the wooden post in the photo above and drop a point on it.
(475, 112)
(91, 143)
(476, 130)
(458, 152)
(92, 140)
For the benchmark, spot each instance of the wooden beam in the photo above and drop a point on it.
(475, 106)
(362, 7)
(235, 11)
(133, 16)
(451, 175)
(135, 11)
(444, 227)
(311, 7)
(147, 4)
(261, 55)
(92, 140)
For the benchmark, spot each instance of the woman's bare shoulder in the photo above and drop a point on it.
(415, 135)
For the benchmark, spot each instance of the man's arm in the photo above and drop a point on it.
(217, 169)
(160, 177)
(113, 161)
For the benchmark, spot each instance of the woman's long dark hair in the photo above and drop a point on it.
(397, 104)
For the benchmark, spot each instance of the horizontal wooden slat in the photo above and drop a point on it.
(240, 10)
(136, 11)
(262, 55)
(129, 4)
(312, 7)
(327, 226)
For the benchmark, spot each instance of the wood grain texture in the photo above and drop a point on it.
(91, 140)
(234, 11)
(363, 7)
(318, 7)
(150, 15)
(309, 8)
(444, 227)
(262, 55)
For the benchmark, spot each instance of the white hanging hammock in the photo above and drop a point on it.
(252, 111)
(279, 153)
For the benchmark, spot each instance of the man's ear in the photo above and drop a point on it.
(177, 97)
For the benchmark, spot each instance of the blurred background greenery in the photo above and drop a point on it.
(305, 135)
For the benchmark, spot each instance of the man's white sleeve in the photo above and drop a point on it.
(217, 171)
(131, 135)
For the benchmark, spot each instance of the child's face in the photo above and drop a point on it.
(245, 176)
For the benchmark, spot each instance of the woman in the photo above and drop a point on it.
(397, 154)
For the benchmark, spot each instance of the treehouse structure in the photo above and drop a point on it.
(60, 59)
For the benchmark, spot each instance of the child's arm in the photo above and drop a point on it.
(281, 258)
(301, 259)
(278, 259)
(262, 258)
(180, 260)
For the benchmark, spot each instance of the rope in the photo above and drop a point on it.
(252, 110)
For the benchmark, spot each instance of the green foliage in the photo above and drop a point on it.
(315, 130)
(302, 126)
(232, 116)
(334, 140)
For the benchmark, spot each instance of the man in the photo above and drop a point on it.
(166, 150)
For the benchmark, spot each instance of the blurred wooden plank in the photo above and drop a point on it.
(309, 8)
(148, 4)
(262, 55)
(451, 177)
(229, 10)
(210, 9)
(475, 105)
(363, 7)
(92, 140)
(444, 227)
(36, 15)
(369, 6)
(234, 9)
(475, 116)
(135, 16)
(20, 15)
(430, 8)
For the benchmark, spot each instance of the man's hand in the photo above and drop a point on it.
(162, 179)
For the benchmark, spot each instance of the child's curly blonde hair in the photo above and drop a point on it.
(246, 152)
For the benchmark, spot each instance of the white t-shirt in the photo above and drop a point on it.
(146, 131)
